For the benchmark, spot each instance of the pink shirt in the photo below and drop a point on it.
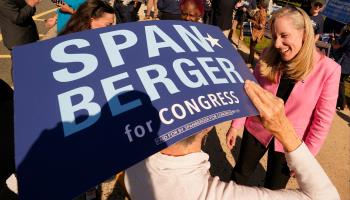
(310, 106)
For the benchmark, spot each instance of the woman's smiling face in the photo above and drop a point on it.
(287, 39)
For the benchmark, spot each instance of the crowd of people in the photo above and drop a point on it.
(290, 127)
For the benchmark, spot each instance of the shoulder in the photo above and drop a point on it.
(327, 66)
(327, 62)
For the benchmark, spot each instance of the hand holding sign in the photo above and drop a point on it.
(272, 115)
(88, 96)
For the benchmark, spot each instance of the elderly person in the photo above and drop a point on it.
(181, 171)
(307, 81)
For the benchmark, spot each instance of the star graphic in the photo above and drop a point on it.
(213, 41)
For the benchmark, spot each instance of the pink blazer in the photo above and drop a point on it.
(310, 106)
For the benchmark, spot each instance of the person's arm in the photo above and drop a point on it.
(313, 182)
(65, 8)
(324, 112)
(19, 15)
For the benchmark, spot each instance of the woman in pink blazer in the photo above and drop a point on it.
(307, 81)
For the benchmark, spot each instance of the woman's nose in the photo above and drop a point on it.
(278, 42)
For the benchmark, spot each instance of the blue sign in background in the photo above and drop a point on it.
(156, 104)
(338, 10)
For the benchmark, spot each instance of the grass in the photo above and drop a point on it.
(262, 44)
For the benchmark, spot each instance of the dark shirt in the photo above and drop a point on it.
(317, 22)
(285, 88)
(332, 26)
(17, 24)
(7, 161)
(169, 6)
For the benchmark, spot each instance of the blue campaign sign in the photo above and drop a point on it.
(338, 10)
(90, 104)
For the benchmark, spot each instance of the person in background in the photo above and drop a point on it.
(341, 48)
(243, 8)
(150, 4)
(65, 10)
(133, 9)
(317, 19)
(269, 8)
(239, 16)
(169, 9)
(181, 171)
(222, 14)
(90, 15)
(127, 10)
(258, 29)
(192, 10)
(16, 22)
(290, 68)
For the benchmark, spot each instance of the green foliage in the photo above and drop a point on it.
(296, 3)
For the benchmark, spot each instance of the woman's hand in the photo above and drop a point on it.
(65, 8)
(51, 22)
(231, 137)
(272, 115)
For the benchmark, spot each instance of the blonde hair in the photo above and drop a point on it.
(301, 65)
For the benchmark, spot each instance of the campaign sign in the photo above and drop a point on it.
(338, 10)
(90, 104)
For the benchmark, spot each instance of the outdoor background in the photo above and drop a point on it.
(334, 155)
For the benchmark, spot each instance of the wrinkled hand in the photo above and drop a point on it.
(32, 3)
(231, 136)
(272, 115)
